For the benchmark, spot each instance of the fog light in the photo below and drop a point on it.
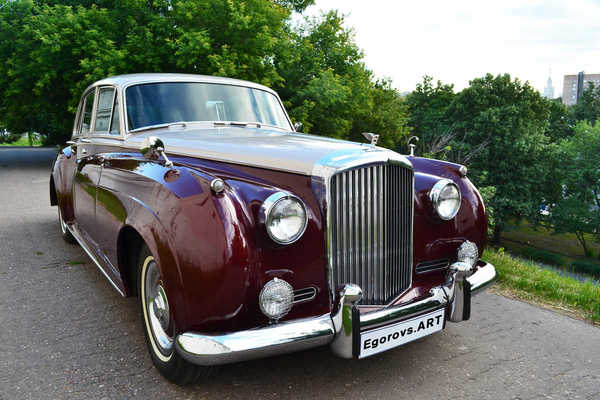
(276, 298)
(468, 253)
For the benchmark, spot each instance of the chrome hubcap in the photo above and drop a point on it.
(157, 309)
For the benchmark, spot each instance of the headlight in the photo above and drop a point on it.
(284, 217)
(445, 198)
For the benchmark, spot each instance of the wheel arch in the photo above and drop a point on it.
(130, 240)
(129, 244)
(53, 196)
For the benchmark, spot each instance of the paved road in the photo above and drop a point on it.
(66, 333)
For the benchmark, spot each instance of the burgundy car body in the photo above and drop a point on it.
(212, 249)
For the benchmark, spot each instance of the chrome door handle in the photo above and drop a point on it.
(84, 140)
(84, 151)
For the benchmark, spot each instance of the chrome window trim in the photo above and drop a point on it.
(115, 94)
(77, 122)
(328, 168)
(81, 111)
(166, 80)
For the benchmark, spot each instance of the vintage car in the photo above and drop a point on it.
(243, 238)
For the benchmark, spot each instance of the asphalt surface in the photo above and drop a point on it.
(66, 333)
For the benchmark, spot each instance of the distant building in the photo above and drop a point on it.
(549, 89)
(574, 85)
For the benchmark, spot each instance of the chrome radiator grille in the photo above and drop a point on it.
(370, 230)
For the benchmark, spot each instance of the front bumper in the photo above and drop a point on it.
(340, 329)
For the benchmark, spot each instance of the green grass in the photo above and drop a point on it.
(23, 142)
(530, 282)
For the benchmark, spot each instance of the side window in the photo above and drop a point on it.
(87, 113)
(104, 110)
(114, 122)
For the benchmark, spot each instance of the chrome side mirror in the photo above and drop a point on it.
(153, 148)
(298, 126)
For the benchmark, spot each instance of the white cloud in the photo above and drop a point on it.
(458, 41)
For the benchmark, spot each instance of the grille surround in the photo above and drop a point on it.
(363, 248)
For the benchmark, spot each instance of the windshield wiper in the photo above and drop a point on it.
(236, 123)
(159, 126)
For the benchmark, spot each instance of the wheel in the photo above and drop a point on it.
(158, 325)
(65, 232)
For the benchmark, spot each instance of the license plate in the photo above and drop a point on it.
(390, 336)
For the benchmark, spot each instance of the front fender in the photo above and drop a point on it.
(200, 239)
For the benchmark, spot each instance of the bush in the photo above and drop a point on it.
(543, 256)
(9, 137)
(587, 267)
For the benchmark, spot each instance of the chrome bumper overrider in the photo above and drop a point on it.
(342, 328)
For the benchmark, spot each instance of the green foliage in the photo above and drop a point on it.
(326, 86)
(559, 126)
(587, 267)
(296, 5)
(487, 194)
(499, 124)
(427, 107)
(52, 50)
(588, 106)
(9, 139)
(578, 209)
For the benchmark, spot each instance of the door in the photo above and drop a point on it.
(87, 172)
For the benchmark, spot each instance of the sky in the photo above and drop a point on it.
(456, 41)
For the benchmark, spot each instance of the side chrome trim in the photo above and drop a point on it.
(90, 253)
(285, 337)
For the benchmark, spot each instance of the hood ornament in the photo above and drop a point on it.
(373, 138)
(412, 145)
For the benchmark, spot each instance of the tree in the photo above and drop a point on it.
(503, 120)
(51, 52)
(427, 106)
(559, 126)
(588, 106)
(53, 49)
(326, 86)
(578, 209)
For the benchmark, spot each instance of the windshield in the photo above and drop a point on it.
(163, 103)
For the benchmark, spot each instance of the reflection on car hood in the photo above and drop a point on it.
(266, 148)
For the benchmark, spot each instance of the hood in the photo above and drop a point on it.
(265, 148)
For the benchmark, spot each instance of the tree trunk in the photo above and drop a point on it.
(581, 239)
(496, 235)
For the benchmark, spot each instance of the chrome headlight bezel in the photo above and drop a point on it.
(270, 204)
(436, 200)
